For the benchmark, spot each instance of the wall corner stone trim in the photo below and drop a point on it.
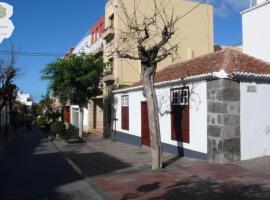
(223, 124)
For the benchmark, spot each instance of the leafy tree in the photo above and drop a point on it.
(77, 78)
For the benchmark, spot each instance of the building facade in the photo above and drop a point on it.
(255, 31)
(4, 117)
(194, 35)
(24, 98)
(92, 43)
(213, 107)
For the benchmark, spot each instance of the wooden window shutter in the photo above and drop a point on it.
(180, 114)
(125, 113)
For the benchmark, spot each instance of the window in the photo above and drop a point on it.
(180, 114)
(111, 22)
(125, 112)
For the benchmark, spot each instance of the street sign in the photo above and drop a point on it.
(6, 25)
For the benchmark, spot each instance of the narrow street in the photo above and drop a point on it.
(34, 168)
(31, 168)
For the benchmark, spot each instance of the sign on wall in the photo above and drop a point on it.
(6, 25)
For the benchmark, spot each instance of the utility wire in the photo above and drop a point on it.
(25, 53)
(46, 54)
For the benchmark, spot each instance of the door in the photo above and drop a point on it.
(67, 114)
(180, 114)
(75, 117)
(145, 131)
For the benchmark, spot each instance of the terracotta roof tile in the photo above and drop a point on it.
(228, 60)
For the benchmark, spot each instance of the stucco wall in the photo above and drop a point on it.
(85, 116)
(255, 121)
(256, 32)
(194, 34)
(198, 116)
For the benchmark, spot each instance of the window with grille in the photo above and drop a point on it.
(125, 112)
(180, 114)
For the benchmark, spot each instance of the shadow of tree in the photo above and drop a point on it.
(201, 189)
(212, 189)
(142, 190)
(97, 163)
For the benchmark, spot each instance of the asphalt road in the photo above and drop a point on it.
(31, 167)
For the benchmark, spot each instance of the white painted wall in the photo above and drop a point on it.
(256, 31)
(255, 121)
(83, 45)
(198, 116)
(85, 116)
(24, 98)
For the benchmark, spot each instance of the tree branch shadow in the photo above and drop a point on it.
(196, 188)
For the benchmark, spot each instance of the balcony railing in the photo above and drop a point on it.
(109, 34)
(108, 74)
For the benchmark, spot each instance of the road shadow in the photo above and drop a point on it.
(143, 189)
(200, 189)
(97, 163)
(32, 168)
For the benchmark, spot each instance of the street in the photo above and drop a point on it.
(33, 167)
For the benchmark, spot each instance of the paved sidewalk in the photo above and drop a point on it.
(124, 172)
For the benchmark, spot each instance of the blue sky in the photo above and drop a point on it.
(57, 25)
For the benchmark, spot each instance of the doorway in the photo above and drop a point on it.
(145, 131)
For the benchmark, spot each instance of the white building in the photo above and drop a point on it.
(213, 107)
(256, 30)
(24, 98)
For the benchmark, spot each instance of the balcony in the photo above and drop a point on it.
(108, 74)
(108, 34)
(97, 47)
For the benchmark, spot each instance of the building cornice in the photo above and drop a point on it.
(255, 7)
(237, 76)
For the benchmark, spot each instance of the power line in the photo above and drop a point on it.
(26, 53)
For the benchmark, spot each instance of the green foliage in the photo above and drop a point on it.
(53, 115)
(76, 77)
(42, 122)
(57, 127)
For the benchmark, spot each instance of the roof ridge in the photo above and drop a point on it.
(227, 59)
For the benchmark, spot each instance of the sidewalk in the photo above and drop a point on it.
(124, 172)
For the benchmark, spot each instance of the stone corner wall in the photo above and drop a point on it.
(223, 120)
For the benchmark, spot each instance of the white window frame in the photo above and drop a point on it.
(180, 96)
(124, 101)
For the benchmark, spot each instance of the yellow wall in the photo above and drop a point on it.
(193, 34)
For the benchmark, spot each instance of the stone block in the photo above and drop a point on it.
(226, 83)
(228, 94)
(231, 107)
(214, 107)
(214, 84)
(231, 120)
(231, 149)
(214, 131)
(214, 148)
(230, 132)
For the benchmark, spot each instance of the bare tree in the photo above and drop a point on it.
(150, 35)
(8, 72)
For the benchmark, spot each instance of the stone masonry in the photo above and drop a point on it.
(223, 120)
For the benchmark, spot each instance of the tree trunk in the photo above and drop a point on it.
(81, 122)
(147, 76)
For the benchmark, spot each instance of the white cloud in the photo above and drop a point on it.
(223, 7)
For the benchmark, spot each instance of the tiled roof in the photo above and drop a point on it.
(227, 60)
